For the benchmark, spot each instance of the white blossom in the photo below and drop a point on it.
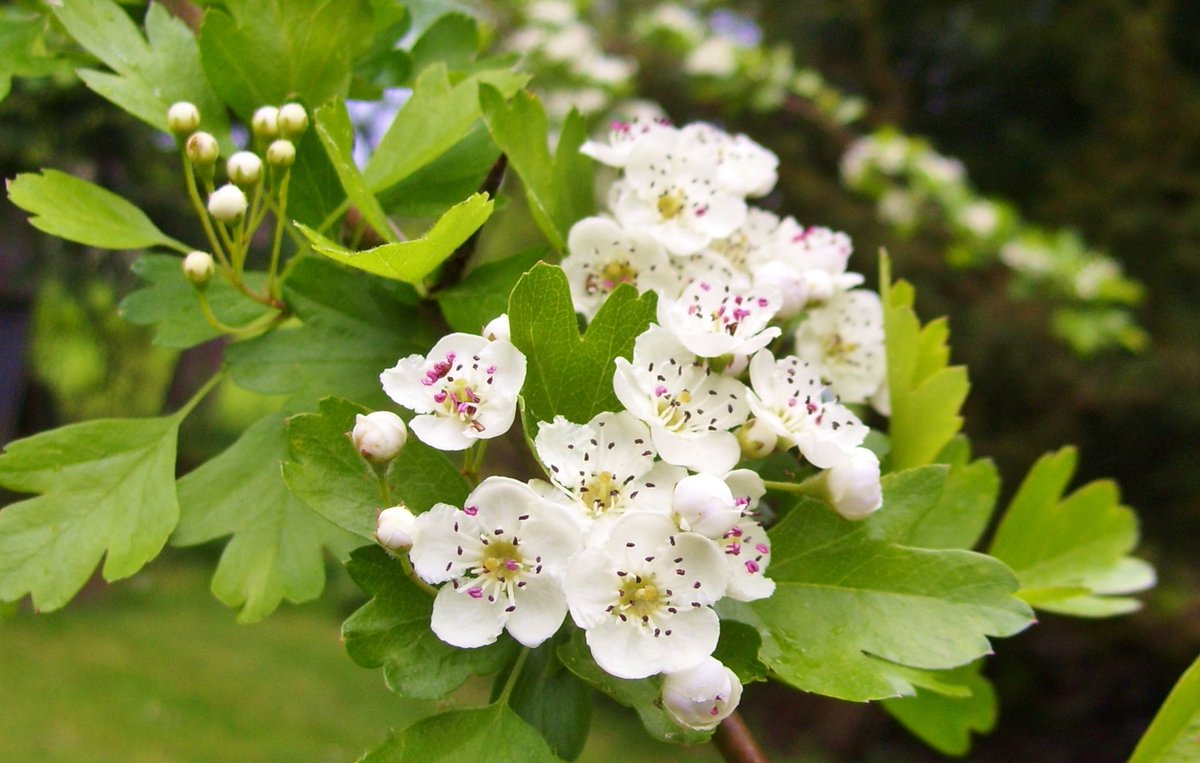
(378, 436)
(703, 695)
(227, 203)
(622, 138)
(711, 319)
(744, 168)
(603, 255)
(843, 341)
(396, 528)
(704, 504)
(853, 484)
(715, 57)
(498, 328)
(747, 552)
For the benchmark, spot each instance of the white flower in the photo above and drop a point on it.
(715, 57)
(809, 265)
(747, 552)
(183, 118)
(227, 203)
(466, 389)
(379, 436)
(688, 408)
(606, 466)
(712, 320)
(788, 397)
(198, 267)
(703, 695)
(744, 168)
(265, 122)
(644, 597)
(623, 136)
(843, 341)
(704, 504)
(244, 168)
(603, 255)
(853, 484)
(504, 556)
(498, 329)
(755, 242)
(396, 528)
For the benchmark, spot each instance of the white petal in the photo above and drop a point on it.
(694, 634)
(713, 452)
(442, 432)
(434, 554)
(591, 587)
(540, 609)
(466, 622)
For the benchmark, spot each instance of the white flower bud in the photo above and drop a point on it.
(281, 153)
(183, 118)
(379, 436)
(227, 203)
(397, 528)
(853, 485)
(757, 439)
(202, 149)
(705, 505)
(244, 168)
(703, 695)
(265, 123)
(292, 120)
(498, 329)
(198, 267)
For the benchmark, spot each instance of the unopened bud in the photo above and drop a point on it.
(757, 439)
(396, 529)
(198, 267)
(703, 695)
(244, 168)
(227, 203)
(853, 485)
(183, 118)
(265, 123)
(498, 329)
(292, 120)
(705, 505)
(202, 149)
(379, 436)
(281, 153)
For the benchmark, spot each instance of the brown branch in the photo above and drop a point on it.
(190, 13)
(737, 743)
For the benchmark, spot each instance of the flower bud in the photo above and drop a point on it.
(265, 123)
(227, 203)
(853, 485)
(292, 120)
(498, 329)
(757, 439)
(202, 149)
(703, 695)
(244, 168)
(396, 529)
(198, 267)
(705, 505)
(379, 436)
(183, 118)
(281, 153)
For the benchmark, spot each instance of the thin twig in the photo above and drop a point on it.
(737, 743)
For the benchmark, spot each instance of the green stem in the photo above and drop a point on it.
(385, 490)
(512, 676)
(473, 460)
(280, 224)
(254, 328)
(332, 217)
(200, 394)
(408, 570)
(811, 486)
(189, 174)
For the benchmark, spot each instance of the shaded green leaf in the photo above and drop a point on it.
(106, 487)
(447, 180)
(315, 191)
(483, 294)
(68, 207)
(738, 648)
(946, 722)
(551, 698)
(22, 47)
(275, 551)
(392, 631)
(452, 40)
(328, 474)
(571, 374)
(333, 127)
(937, 506)
(1070, 554)
(494, 734)
(1172, 736)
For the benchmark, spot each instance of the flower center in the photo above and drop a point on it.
(639, 598)
(611, 276)
(459, 398)
(837, 349)
(501, 562)
(671, 204)
(601, 494)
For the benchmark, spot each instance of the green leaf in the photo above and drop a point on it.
(168, 302)
(263, 52)
(411, 261)
(331, 477)
(392, 631)
(354, 327)
(569, 374)
(276, 548)
(22, 47)
(68, 207)
(738, 648)
(945, 722)
(315, 191)
(106, 487)
(844, 598)
(149, 74)
(552, 699)
(936, 506)
(434, 119)
(926, 394)
(333, 127)
(483, 294)
(494, 734)
(445, 181)
(560, 190)
(1070, 553)
(1172, 735)
(641, 694)
(452, 40)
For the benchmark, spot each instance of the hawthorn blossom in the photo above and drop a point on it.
(622, 138)
(853, 485)
(503, 557)
(644, 596)
(703, 695)
(603, 255)
(843, 342)
(704, 504)
(788, 397)
(378, 436)
(466, 389)
(688, 407)
(809, 265)
(747, 552)
(712, 319)
(744, 168)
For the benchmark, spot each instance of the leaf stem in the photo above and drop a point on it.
(280, 223)
(412, 575)
(736, 743)
(253, 328)
(809, 487)
(189, 174)
(381, 476)
(473, 460)
(511, 682)
(200, 394)
(332, 217)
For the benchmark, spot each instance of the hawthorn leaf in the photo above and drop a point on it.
(328, 474)
(315, 193)
(392, 631)
(276, 545)
(494, 734)
(333, 127)
(445, 181)
(410, 261)
(22, 47)
(148, 73)
(737, 649)
(846, 602)
(71, 208)
(1071, 554)
(168, 302)
(452, 40)
(570, 374)
(551, 698)
(946, 722)
(1172, 735)
(641, 694)
(937, 506)
(483, 294)
(106, 489)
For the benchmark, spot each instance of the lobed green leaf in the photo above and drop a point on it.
(551, 698)
(946, 722)
(1172, 735)
(333, 127)
(494, 733)
(483, 294)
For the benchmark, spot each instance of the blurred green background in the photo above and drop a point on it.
(1082, 113)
